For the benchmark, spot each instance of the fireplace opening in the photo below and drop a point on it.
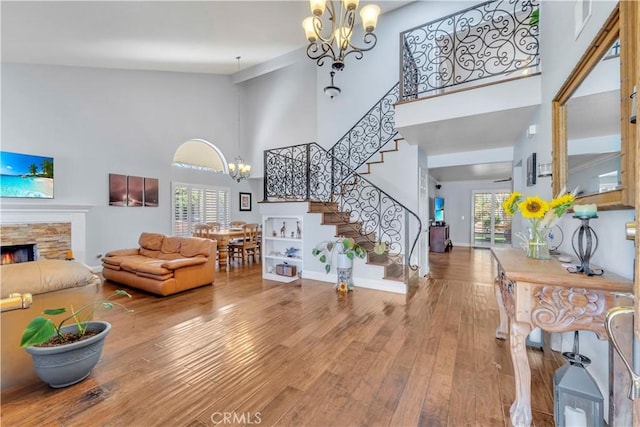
(13, 254)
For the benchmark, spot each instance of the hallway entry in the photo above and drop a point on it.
(491, 225)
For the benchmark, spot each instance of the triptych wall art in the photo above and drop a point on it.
(132, 191)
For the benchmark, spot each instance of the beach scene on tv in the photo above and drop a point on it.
(25, 175)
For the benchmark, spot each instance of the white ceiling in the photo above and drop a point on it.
(483, 171)
(206, 37)
(183, 36)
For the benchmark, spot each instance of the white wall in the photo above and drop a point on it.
(278, 110)
(96, 121)
(397, 174)
(425, 189)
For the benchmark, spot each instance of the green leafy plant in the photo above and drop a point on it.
(41, 329)
(535, 17)
(345, 245)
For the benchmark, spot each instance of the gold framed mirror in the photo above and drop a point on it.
(593, 139)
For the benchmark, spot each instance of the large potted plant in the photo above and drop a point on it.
(346, 249)
(65, 355)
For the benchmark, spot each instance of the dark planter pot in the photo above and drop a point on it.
(64, 365)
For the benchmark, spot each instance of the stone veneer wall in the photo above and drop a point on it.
(53, 239)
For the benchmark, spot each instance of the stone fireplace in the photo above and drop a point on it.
(55, 229)
(53, 239)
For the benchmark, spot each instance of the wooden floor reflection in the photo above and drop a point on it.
(261, 352)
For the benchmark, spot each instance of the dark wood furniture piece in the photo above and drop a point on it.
(543, 293)
(439, 238)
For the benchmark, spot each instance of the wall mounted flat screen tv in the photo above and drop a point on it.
(26, 176)
(438, 212)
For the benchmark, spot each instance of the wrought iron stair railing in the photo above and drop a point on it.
(372, 132)
(495, 38)
(309, 172)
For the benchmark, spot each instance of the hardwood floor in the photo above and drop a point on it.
(261, 352)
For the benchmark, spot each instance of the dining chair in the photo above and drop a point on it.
(202, 230)
(215, 226)
(248, 245)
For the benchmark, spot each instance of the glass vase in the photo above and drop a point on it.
(538, 248)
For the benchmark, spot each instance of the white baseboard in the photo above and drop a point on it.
(360, 282)
(463, 245)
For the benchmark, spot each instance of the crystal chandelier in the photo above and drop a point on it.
(335, 44)
(239, 170)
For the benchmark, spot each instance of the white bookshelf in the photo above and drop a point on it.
(274, 245)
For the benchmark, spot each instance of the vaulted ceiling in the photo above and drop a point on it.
(183, 36)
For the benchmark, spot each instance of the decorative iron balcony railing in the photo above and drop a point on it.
(495, 38)
(311, 173)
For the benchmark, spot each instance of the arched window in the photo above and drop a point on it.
(202, 155)
(196, 203)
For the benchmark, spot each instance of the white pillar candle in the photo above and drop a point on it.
(586, 210)
(574, 417)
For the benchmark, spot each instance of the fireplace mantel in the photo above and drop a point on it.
(8, 207)
(29, 213)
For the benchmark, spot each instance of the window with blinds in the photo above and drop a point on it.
(491, 225)
(198, 204)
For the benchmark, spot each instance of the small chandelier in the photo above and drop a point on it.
(336, 44)
(239, 170)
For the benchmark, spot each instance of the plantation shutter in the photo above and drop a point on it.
(482, 218)
(491, 225)
(198, 204)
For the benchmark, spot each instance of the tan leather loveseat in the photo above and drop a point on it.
(163, 265)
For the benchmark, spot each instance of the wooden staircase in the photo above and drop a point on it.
(393, 265)
(392, 147)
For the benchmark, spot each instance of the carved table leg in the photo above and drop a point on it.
(521, 407)
(223, 252)
(501, 331)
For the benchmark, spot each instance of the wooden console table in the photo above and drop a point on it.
(541, 293)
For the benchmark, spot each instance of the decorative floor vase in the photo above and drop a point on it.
(538, 249)
(345, 274)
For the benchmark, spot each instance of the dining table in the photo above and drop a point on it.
(223, 237)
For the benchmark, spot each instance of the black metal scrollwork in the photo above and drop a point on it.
(491, 39)
(310, 172)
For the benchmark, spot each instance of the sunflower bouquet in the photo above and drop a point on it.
(541, 214)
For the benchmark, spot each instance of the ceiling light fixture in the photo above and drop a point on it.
(336, 44)
(332, 91)
(239, 170)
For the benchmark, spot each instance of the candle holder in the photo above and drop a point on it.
(577, 398)
(587, 241)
